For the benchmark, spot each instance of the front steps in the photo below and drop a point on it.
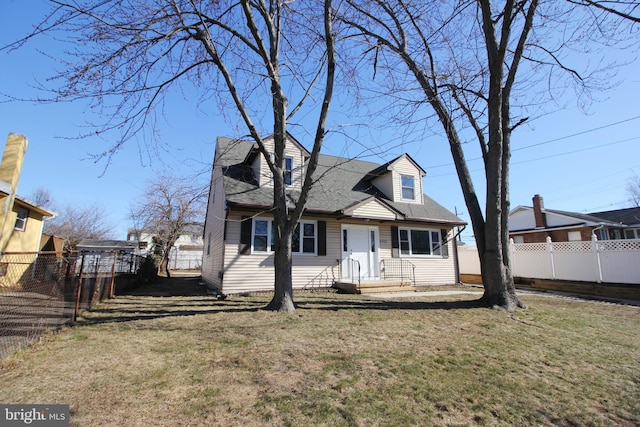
(375, 286)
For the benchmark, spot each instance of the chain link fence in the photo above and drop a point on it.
(46, 290)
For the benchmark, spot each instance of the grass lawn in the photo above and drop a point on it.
(341, 360)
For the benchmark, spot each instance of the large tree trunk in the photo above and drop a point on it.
(499, 289)
(282, 300)
(497, 279)
(165, 263)
(282, 260)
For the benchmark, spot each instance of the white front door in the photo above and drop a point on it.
(360, 252)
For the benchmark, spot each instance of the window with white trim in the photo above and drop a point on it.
(288, 171)
(304, 240)
(419, 242)
(632, 233)
(574, 236)
(21, 219)
(408, 187)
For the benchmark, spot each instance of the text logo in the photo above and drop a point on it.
(34, 415)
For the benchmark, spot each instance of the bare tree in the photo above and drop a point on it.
(257, 55)
(74, 223)
(633, 189)
(623, 9)
(168, 207)
(41, 197)
(471, 60)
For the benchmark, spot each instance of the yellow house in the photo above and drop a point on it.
(21, 220)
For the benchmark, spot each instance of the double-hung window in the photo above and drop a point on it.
(262, 235)
(304, 238)
(304, 241)
(21, 219)
(419, 242)
(408, 187)
(288, 171)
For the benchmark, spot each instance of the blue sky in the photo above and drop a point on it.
(576, 161)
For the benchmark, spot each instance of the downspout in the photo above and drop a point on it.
(593, 232)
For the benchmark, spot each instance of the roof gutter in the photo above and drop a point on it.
(597, 226)
(341, 214)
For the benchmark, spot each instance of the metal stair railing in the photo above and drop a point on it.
(355, 267)
(397, 268)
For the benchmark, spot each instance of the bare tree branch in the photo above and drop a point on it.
(609, 6)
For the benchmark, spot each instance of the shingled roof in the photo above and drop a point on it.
(628, 216)
(341, 183)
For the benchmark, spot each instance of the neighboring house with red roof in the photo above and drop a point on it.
(361, 221)
(531, 224)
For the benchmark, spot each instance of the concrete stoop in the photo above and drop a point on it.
(375, 286)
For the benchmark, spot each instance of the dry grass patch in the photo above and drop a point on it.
(340, 360)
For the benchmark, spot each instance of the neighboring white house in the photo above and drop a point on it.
(361, 220)
(186, 253)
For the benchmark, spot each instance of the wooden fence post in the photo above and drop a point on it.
(113, 274)
(78, 291)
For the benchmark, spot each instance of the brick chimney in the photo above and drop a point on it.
(538, 212)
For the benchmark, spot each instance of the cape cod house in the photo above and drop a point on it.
(364, 224)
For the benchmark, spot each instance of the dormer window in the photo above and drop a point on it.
(288, 171)
(408, 187)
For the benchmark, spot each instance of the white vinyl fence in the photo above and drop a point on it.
(609, 261)
(185, 258)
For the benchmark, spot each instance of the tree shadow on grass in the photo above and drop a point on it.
(170, 287)
(186, 296)
(335, 304)
(163, 298)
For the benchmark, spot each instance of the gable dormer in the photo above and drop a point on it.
(296, 157)
(400, 180)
